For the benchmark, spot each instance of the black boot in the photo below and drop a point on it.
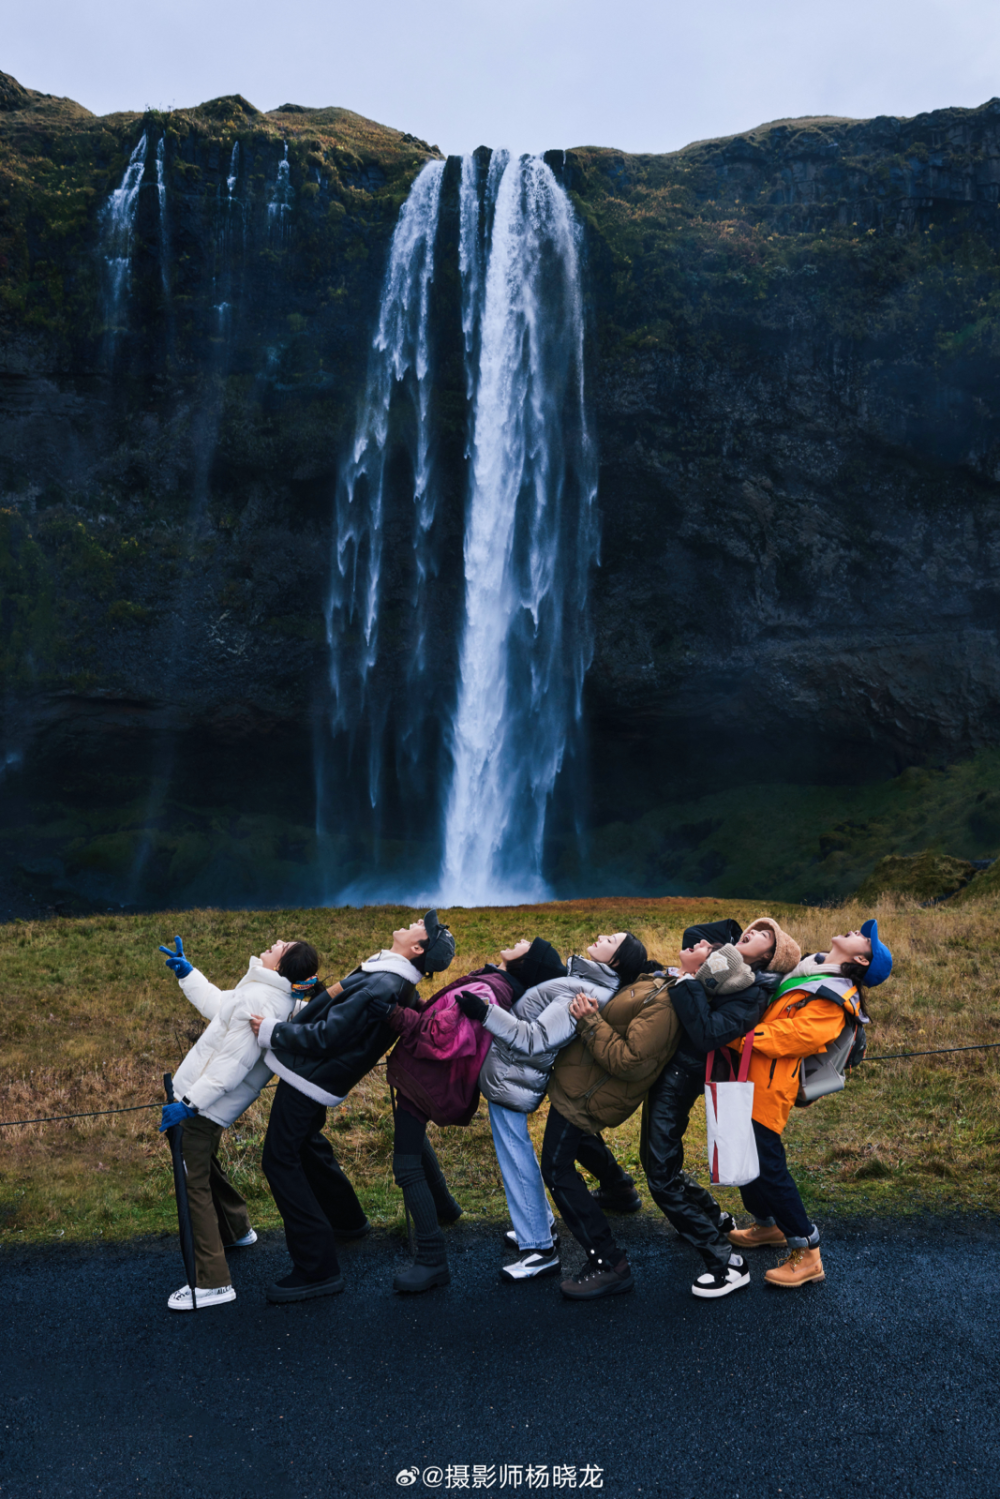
(417, 1277)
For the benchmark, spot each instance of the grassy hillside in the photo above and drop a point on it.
(89, 1019)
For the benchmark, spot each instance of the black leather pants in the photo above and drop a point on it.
(692, 1210)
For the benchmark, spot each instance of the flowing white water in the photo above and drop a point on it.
(399, 357)
(117, 233)
(530, 542)
(161, 193)
(282, 198)
(234, 170)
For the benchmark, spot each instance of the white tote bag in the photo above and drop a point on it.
(732, 1149)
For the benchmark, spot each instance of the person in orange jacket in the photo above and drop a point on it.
(808, 1012)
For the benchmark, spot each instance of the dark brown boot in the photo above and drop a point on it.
(599, 1278)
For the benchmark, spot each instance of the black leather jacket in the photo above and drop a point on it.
(709, 1024)
(336, 1039)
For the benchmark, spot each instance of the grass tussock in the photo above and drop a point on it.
(89, 1019)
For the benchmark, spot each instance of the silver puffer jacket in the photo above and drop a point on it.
(528, 1038)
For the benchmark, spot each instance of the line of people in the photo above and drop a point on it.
(603, 1035)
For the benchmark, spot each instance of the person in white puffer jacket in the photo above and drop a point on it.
(221, 1076)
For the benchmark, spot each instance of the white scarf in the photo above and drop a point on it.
(392, 962)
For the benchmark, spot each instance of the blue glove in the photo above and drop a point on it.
(177, 961)
(173, 1113)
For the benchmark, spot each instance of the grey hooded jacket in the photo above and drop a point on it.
(528, 1038)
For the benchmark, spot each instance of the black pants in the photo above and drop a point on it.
(562, 1146)
(774, 1193)
(312, 1193)
(692, 1210)
(416, 1170)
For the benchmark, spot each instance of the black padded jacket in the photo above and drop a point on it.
(336, 1040)
(708, 1024)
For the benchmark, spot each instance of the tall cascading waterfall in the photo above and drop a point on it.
(530, 543)
(512, 707)
(282, 198)
(364, 687)
(117, 235)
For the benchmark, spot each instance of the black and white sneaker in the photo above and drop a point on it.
(722, 1282)
(533, 1265)
(510, 1239)
(727, 1223)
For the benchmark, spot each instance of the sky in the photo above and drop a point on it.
(639, 75)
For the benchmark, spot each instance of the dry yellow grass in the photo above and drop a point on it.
(89, 1019)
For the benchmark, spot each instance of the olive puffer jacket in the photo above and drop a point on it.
(527, 1040)
(602, 1077)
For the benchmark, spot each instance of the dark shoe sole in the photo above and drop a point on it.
(277, 1295)
(440, 1277)
(617, 1290)
(447, 1222)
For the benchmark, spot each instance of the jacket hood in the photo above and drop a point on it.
(392, 962)
(257, 974)
(601, 975)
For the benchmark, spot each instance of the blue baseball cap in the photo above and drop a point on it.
(880, 966)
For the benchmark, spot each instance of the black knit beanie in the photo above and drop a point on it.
(629, 960)
(712, 931)
(539, 963)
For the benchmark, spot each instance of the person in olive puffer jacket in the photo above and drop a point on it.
(599, 1080)
(319, 1056)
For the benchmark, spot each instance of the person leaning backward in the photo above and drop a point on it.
(319, 1057)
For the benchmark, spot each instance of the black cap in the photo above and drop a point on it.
(712, 931)
(539, 963)
(440, 948)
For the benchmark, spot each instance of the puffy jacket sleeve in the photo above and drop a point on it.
(653, 1033)
(801, 1032)
(548, 1032)
(237, 1053)
(337, 1029)
(203, 994)
(708, 1028)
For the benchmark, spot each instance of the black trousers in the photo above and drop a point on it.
(774, 1193)
(563, 1144)
(312, 1193)
(418, 1173)
(692, 1210)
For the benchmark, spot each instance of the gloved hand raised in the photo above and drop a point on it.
(470, 1004)
(173, 1113)
(177, 961)
(381, 1005)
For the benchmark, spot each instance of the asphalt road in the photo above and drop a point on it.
(881, 1381)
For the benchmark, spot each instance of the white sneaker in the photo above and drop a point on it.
(533, 1265)
(180, 1301)
(722, 1282)
(248, 1238)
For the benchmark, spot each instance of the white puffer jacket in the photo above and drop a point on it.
(225, 1069)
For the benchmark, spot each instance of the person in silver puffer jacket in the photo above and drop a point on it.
(514, 1076)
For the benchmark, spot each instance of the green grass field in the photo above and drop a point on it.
(90, 1019)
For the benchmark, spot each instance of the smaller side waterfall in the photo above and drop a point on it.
(282, 198)
(117, 234)
(399, 365)
(161, 194)
(234, 171)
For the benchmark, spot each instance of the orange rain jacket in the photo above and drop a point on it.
(794, 1026)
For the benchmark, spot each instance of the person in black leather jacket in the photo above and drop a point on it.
(319, 1056)
(690, 1208)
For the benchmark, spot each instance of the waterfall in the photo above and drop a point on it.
(455, 757)
(117, 232)
(161, 195)
(282, 197)
(530, 541)
(399, 365)
(234, 170)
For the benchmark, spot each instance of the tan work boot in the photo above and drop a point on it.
(757, 1236)
(801, 1266)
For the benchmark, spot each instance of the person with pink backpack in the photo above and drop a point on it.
(434, 1072)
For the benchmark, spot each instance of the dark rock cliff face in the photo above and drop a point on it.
(793, 375)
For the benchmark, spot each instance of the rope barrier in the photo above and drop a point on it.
(134, 1108)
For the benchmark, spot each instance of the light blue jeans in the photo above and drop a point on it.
(522, 1179)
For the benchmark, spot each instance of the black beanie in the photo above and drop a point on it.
(712, 931)
(539, 963)
(629, 960)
